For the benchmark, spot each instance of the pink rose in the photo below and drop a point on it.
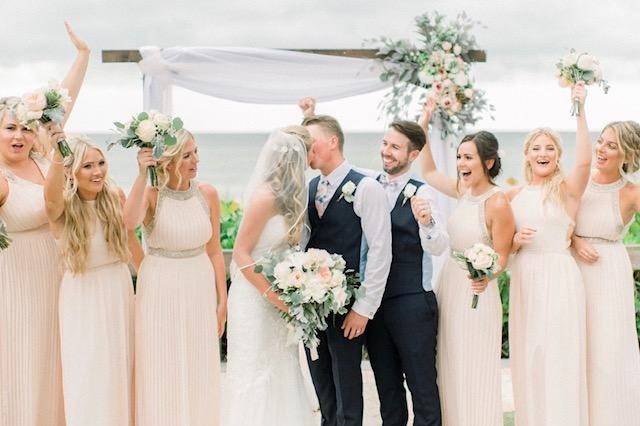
(35, 101)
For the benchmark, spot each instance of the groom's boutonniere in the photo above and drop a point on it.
(408, 192)
(347, 192)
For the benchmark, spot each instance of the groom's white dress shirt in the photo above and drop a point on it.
(370, 205)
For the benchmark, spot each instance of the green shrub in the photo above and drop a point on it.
(230, 216)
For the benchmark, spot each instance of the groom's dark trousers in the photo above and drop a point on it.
(401, 338)
(336, 373)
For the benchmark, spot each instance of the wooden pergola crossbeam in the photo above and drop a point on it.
(124, 56)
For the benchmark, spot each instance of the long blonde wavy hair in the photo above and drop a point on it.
(80, 218)
(288, 182)
(173, 155)
(628, 136)
(552, 186)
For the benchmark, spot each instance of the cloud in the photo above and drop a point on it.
(522, 39)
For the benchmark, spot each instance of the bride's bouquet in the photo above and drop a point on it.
(314, 285)
(148, 130)
(481, 261)
(575, 67)
(43, 106)
(4, 236)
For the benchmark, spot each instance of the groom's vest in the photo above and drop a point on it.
(411, 267)
(338, 230)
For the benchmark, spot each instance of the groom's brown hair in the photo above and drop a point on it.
(412, 131)
(329, 124)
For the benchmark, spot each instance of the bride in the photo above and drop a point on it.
(264, 381)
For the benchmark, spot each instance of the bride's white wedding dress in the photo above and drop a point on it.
(264, 384)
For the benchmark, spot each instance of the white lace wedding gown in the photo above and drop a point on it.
(264, 384)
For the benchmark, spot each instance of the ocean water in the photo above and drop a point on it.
(227, 160)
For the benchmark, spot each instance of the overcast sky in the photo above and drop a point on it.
(523, 39)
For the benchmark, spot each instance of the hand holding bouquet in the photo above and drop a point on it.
(45, 105)
(148, 130)
(481, 261)
(4, 236)
(312, 285)
(575, 67)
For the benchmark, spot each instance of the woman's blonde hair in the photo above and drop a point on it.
(41, 147)
(80, 218)
(173, 155)
(628, 138)
(552, 187)
(286, 178)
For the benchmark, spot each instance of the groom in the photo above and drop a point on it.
(348, 214)
(401, 338)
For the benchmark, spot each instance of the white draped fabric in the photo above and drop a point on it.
(270, 76)
(254, 75)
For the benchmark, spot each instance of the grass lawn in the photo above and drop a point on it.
(508, 419)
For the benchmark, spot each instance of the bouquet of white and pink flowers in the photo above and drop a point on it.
(4, 236)
(148, 130)
(481, 261)
(47, 104)
(313, 285)
(575, 67)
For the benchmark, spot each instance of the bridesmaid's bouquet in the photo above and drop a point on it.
(481, 261)
(148, 130)
(314, 285)
(4, 236)
(575, 67)
(45, 105)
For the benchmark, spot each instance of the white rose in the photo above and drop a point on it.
(457, 49)
(446, 45)
(339, 295)
(146, 130)
(558, 73)
(161, 121)
(482, 261)
(20, 111)
(470, 254)
(461, 79)
(282, 271)
(425, 78)
(468, 93)
(569, 59)
(314, 291)
(337, 279)
(409, 190)
(33, 115)
(586, 62)
(349, 187)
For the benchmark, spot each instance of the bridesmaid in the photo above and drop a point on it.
(96, 294)
(30, 377)
(469, 340)
(606, 211)
(547, 306)
(182, 291)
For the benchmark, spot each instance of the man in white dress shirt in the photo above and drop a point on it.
(401, 338)
(349, 215)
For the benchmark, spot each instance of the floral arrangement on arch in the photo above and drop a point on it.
(440, 64)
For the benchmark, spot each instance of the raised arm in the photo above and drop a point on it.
(214, 251)
(135, 208)
(75, 76)
(54, 183)
(578, 178)
(260, 209)
(438, 180)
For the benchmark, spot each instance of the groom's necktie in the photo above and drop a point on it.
(322, 196)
